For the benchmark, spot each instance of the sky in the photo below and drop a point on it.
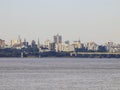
(87, 20)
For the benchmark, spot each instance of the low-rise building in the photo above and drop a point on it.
(63, 47)
(77, 44)
(2, 43)
(67, 47)
(92, 46)
(112, 47)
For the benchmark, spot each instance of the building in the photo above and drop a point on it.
(25, 43)
(33, 44)
(58, 42)
(16, 43)
(2, 43)
(67, 47)
(58, 47)
(112, 47)
(38, 44)
(47, 44)
(77, 44)
(67, 42)
(52, 46)
(63, 47)
(57, 39)
(91, 46)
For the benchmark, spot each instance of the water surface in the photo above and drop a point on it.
(59, 74)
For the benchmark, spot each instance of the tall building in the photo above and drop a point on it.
(58, 42)
(25, 43)
(38, 44)
(57, 39)
(2, 43)
(33, 43)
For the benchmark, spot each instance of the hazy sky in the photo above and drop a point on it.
(89, 20)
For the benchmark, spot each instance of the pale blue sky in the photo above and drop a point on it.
(89, 20)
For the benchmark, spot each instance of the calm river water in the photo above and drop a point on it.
(59, 74)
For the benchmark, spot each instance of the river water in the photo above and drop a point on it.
(59, 74)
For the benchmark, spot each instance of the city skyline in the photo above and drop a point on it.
(56, 38)
(51, 48)
(89, 20)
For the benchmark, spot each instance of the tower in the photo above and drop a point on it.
(38, 44)
(57, 39)
(58, 42)
(19, 39)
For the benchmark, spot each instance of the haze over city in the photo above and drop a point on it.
(89, 20)
(59, 44)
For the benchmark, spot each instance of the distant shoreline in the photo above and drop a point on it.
(65, 57)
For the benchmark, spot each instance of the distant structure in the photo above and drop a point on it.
(57, 39)
(58, 45)
(25, 43)
(77, 44)
(47, 44)
(33, 43)
(92, 46)
(17, 43)
(58, 42)
(112, 47)
(38, 44)
(2, 43)
(67, 42)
